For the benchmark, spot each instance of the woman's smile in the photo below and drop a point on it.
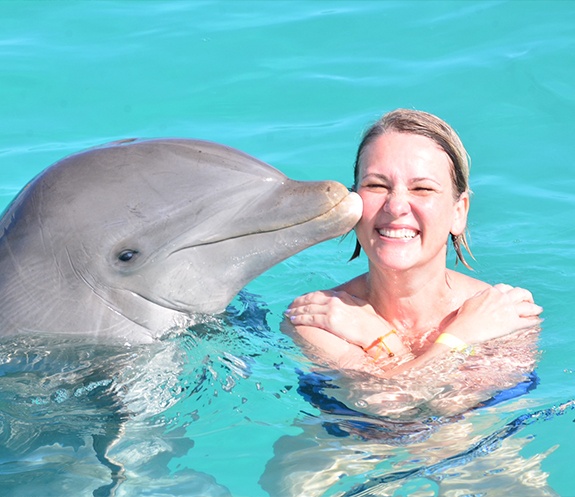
(398, 233)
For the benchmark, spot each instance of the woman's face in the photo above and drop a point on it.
(409, 208)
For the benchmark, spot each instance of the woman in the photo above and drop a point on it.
(394, 324)
(411, 172)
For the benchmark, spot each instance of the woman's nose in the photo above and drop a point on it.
(396, 203)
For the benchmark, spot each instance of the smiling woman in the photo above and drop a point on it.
(412, 175)
(410, 339)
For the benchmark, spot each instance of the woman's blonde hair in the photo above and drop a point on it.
(422, 123)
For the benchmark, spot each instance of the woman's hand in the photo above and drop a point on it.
(495, 312)
(347, 317)
(339, 313)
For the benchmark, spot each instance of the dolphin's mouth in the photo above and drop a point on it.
(337, 220)
(229, 263)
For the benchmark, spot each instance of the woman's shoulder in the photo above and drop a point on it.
(464, 284)
(356, 287)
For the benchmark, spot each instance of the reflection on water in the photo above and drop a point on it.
(83, 418)
(171, 418)
(66, 406)
(407, 441)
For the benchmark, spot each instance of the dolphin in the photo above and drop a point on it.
(135, 238)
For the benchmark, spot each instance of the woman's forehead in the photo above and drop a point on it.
(394, 152)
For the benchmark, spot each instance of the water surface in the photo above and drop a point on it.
(295, 84)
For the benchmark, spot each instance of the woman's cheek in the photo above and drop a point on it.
(372, 203)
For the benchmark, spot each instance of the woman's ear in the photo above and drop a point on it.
(460, 214)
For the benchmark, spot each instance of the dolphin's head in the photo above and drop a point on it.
(157, 231)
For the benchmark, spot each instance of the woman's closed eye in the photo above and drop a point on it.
(375, 186)
(425, 189)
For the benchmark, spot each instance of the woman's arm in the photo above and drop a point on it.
(326, 348)
(342, 329)
(492, 313)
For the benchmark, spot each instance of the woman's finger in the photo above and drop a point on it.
(519, 294)
(307, 309)
(311, 320)
(528, 309)
(503, 287)
(310, 298)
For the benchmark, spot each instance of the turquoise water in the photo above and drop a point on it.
(294, 84)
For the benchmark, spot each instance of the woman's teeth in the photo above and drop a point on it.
(397, 233)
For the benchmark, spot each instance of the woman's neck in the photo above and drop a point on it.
(418, 299)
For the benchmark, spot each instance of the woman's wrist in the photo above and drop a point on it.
(453, 342)
(385, 346)
(380, 346)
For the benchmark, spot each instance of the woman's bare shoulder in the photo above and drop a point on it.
(356, 287)
(466, 285)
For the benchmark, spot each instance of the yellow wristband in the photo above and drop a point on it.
(452, 342)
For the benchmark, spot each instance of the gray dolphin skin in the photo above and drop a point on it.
(135, 238)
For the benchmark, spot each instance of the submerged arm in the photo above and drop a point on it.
(498, 327)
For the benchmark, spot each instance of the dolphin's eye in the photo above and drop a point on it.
(127, 255)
